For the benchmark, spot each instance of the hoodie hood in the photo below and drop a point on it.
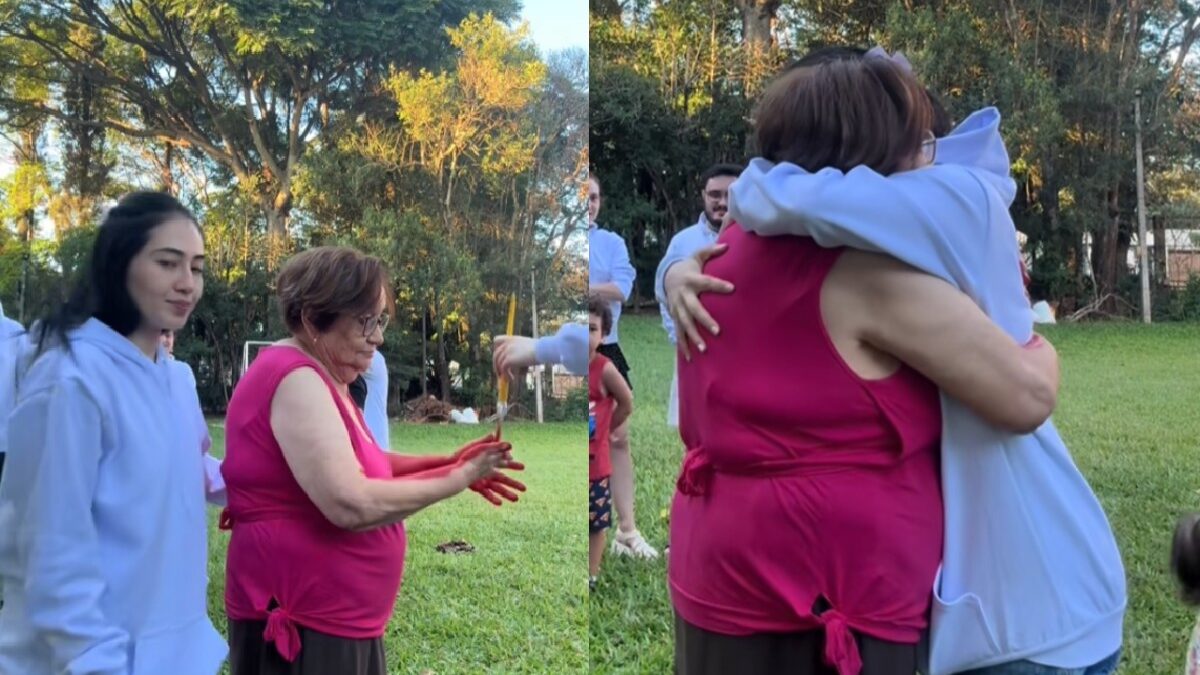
(96, 334)
(976, 143)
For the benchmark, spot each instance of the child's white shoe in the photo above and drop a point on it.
(634, 545)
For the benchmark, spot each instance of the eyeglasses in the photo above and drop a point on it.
(929, 147)
(370, 323)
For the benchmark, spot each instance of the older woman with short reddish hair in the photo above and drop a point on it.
(316, 508)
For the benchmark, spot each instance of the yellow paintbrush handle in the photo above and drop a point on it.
(512, 318)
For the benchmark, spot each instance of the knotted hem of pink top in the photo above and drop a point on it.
(282, 631)
(841, 650)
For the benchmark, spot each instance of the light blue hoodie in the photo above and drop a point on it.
(1031, 569)
(103, 531)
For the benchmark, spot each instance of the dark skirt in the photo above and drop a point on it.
(320, 653)
(699, 652)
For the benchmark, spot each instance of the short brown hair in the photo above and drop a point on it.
(326, 282)
(601, 309)
(843, 113)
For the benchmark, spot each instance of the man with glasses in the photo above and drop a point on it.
(715, 182)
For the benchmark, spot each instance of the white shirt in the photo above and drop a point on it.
(683, 245)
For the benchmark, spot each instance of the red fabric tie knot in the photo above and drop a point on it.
(226, 521)
(283, 632)
(841, 651)
(696, 475)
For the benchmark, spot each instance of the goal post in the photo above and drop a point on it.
(249, 350)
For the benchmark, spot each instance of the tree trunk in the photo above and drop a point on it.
(424, 353)
(27, 154)
(758, 17)
(277, 222)
(605, 9)
(443, 363)
(1159, 265)
(443, 367)
(1106, 251)
(166, 177)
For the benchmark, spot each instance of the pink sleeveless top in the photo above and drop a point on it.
(287, 563)
(809, 498)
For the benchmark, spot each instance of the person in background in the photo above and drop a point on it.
(103, 531)
(214, 484)
(610, 403)
(715, 182)
(611, 277)
(375, 407)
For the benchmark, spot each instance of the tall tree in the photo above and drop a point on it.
(246, 82)
(25, 79)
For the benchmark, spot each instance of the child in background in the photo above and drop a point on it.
(610, 402)
(1185, 563)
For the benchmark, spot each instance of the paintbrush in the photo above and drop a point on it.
(502, 398)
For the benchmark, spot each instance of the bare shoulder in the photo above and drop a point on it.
(303, 394)
(880, 281)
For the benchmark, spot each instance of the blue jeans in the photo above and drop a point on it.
(1106, 667)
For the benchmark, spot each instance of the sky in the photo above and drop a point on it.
(557, 24)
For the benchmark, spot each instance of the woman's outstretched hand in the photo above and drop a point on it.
(486, 468)
(498, 485)
(683, 284)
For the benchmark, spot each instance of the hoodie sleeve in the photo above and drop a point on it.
(569, 347)
(933, 219)
(51, 482)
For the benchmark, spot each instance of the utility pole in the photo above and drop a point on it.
(537, 377)
(1141, 210)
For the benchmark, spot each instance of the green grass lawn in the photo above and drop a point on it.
(518, 604)
(1127, 411)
